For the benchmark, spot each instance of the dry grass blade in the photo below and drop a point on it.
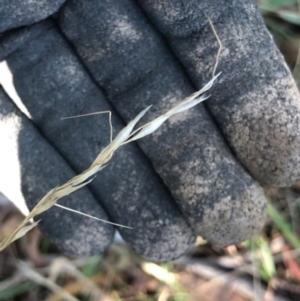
(125, 136)
(95, 113)
(91, 216)
(186, 104)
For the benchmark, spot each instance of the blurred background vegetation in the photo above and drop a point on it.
(265, 267)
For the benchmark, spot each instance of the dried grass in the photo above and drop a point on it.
(125, 136)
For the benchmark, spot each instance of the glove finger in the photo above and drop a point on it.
(52, 83)
(129, 60)
(256, 102)
(16, 13)
(25, 154)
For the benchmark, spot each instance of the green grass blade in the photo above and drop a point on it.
(272, 5)
(290, 17)
(284, 226)
(267, 261)
(14, 291)
(91, 266)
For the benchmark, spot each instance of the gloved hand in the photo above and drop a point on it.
(122, 56)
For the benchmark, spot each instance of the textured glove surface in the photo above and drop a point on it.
(183, 179)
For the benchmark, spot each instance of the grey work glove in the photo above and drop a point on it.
(123, 55)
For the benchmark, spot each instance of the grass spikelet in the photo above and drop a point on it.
(126, 135)
(186, 104)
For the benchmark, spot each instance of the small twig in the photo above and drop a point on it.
(83, 284)
(41, 280)
(158, 272)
